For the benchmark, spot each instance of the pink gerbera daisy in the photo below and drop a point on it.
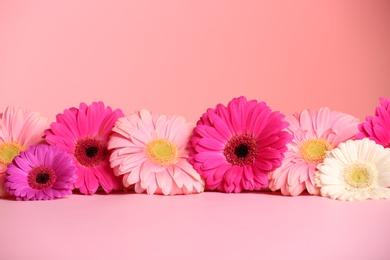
(377, 128)
(150, 150)
(42, 172)
(234, 147)
(18, 130)
(315, 133)
(83, 132)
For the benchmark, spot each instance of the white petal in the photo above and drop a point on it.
(384, 179)
(328, 170)
(352, 150)
(329, 180)
(383, 165)
(384, 192)
(340, 155)
(364, 150)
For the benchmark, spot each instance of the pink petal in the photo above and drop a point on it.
(211, 144)
(164, 182)
(152, 187)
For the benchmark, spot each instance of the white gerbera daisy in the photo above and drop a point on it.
(356, 170)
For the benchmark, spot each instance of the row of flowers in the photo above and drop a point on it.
(242, 146)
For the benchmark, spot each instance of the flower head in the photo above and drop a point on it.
(315, 133)
(356, 170)
(234, 147)
(41, 173)
(150, 150)
(18, 130)
(377, 128)
(83, 132)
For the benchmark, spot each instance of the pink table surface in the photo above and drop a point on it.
(258, 225)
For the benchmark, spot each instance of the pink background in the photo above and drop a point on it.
(181, 57)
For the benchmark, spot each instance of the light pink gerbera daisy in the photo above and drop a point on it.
(150, 150)
(315, 133)
(42, 172)
(83, 132)
(18, 130)
(234, 147)
(377, 128)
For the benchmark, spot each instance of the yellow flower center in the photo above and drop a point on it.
(314, 150)
(358, 175)
(8, 151)
(163, 152)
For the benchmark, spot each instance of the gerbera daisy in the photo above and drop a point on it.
(18, 130)
(42, 172)
(314, 133)
(356, 170)
(83, 132)
(377, 128)
(234, 147)
(150, 150)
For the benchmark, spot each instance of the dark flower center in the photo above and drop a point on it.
(241, 150)
(41, 177)
(90, 152)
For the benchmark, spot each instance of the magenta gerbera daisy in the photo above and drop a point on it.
(150, 150)
(83, 132)
(315, 133)
(234, 147)
(42, 172)
(18, 130)
(377, 128)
